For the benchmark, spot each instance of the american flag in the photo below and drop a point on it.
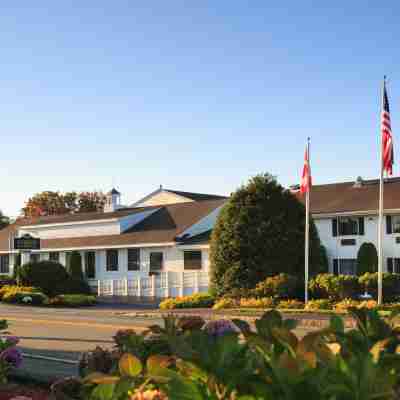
(305, 183)
(387, 140)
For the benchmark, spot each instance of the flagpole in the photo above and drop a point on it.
(380, 219)
(307, 230)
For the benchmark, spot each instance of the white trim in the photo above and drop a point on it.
(105, 247)
(359, 213)
(83, 222)
(185, 247)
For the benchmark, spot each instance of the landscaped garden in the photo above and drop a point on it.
(48, 283)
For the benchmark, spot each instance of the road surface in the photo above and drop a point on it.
(63, 334)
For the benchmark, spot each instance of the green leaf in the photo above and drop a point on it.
(129, 365)
(336, 324)
(103, 391)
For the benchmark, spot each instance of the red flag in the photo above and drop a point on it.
(387, 139)
(306, 181)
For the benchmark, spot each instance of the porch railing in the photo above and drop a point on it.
(166, 284)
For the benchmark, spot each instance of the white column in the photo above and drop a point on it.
(166, 283)
(182, 276)
(153, 285)
(126, 286)
(139, 289)
(99, 287)
(196, 282)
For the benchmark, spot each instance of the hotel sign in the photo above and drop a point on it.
(26, 242)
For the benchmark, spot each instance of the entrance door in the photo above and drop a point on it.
(90, 265)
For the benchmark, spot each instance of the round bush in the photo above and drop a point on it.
(334, 287)
(367, 258)
(282, 286)
(260, 233)
(45, 275)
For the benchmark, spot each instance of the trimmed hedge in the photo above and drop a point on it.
(21, 297)
(72, 300)
(198, 300)
(282, 286)
(334, 287)
(390, 285)
(49, 276)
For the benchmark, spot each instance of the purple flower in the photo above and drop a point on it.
(219, 327)
(12, 340)
(12, 356)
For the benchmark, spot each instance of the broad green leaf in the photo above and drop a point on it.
(336, 324)
(103, 392)
(129, 365)
(100, 378)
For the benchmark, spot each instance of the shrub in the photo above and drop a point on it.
(291, 304)
(345, 304)
(265, 302)
(282, 286)
(226, 302)
(72, 300)
(72, 286)
(390, 285)
(367, 258)
(260, 233)
(75, 266)
(198, 300)
(45, 275)
(334, 287)
(20, 297)
(320, 304)
(14, 288)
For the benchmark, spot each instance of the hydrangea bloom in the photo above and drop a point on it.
(12, 356)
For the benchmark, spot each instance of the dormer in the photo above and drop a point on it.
(113, 200)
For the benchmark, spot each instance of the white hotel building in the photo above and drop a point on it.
(159, 246)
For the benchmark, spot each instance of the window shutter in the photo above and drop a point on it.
(390, 265)
(361, 230)
(388, 224)
(336, 266)
(334, 227)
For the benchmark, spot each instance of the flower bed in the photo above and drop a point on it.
(10, 356)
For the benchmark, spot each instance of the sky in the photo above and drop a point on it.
(193, 95)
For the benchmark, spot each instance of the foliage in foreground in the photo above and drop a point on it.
(191, 359)
(10, 356)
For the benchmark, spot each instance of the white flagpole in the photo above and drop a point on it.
(307, 227)
(380, 220)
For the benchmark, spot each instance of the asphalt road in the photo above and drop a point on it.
(52, 340)
(63, 334)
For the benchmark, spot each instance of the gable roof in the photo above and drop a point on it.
(189, 196)
(350, 197)
(162, 226)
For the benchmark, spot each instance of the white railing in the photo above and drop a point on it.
(166, 284)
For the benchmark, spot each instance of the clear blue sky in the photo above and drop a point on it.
(197, 96)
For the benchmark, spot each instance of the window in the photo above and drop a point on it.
(54, 256)
(393, 265)
(133, 259)
(392, 224)
(4, 264)
(345, 266)
(90, 265)
(156, 261)
(348, 226)
(192, 259)
(112, 260)
(34, 258)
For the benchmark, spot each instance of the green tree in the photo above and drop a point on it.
(260, 233)
(4, 221)
(367, 258)
(75, 266)
(91, 201)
